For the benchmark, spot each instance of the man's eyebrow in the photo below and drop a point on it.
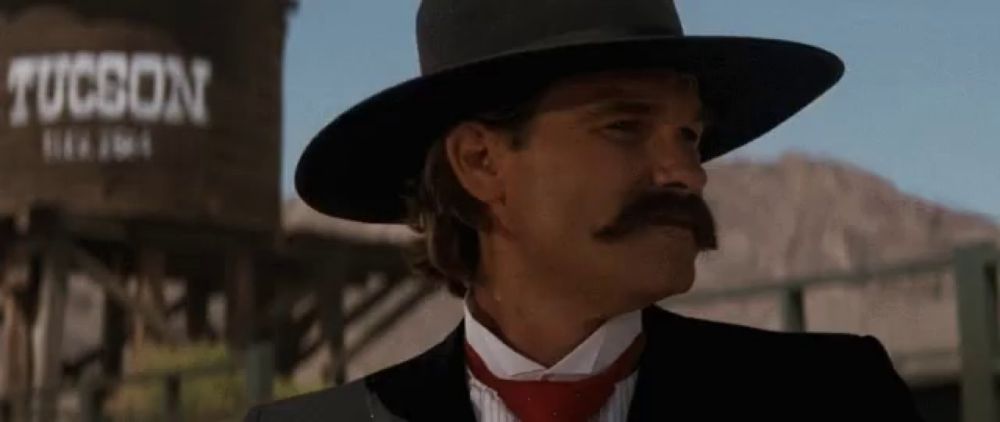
(639, 107)
(611, 107)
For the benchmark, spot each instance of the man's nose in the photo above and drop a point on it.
(677, 164)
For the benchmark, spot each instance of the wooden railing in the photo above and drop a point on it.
(975, 271)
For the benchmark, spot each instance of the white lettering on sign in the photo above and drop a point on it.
(82, 95)
(144, 87)
(112, 76)
(106, 145)
(19, 76)
(51, 87)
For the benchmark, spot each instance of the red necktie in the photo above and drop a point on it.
(557, 401)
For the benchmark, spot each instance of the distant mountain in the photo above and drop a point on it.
(802, 215)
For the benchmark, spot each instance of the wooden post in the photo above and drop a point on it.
(793, 315)
(48, 331)
(91, 397)
(196, 309)
(14, 358)
(114, 330)
(15, 375)
(976, 284)
(330, 298)
(6, 413)
(149, 279)
(240, 299)
(172, 410)
(259, 364)
(113, 335)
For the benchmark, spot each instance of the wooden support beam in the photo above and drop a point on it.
(112, 285)
(172, 404)
(301, 325)
(976, 285)
(196, 309)
(114, 330)
(149, 277)
(47, 333)
(113, 336)
(49, 271)
(793, 313)
(91, 393)
(240, 299)
(259, 364)
(330, 301)
(288, 328)
(308, 350)
(15, 346)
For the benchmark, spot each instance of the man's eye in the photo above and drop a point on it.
(626, 131)
(630, 126)
(690, 135)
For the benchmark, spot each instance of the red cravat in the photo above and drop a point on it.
(557, 401)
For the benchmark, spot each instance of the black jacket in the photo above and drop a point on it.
(691, 370)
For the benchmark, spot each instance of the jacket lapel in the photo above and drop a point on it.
(453, 401)
(430, 387)
(665, 368)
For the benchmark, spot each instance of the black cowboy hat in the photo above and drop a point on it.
(473, 52)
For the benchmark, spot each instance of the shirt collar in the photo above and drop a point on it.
(591, 356)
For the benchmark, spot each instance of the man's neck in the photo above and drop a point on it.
(544, 331)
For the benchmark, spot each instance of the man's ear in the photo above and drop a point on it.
(476, 155)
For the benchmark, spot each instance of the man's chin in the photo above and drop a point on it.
(656, 290)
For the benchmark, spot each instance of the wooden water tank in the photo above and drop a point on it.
(153, 110)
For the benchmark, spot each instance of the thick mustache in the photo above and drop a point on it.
(666, 208)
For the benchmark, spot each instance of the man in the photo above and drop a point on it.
(551, 156)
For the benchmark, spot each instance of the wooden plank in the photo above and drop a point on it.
(976, 285)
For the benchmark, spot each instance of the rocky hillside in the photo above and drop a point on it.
(801, 215)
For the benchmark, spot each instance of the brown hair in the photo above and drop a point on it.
(446, 216)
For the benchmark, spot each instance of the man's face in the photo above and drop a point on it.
(589, 198)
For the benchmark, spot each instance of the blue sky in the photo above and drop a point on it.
(919, 103)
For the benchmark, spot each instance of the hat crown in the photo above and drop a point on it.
(454, 32)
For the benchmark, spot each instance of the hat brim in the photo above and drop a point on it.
(362, 165)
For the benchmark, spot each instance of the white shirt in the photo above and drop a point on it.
(592, 356)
